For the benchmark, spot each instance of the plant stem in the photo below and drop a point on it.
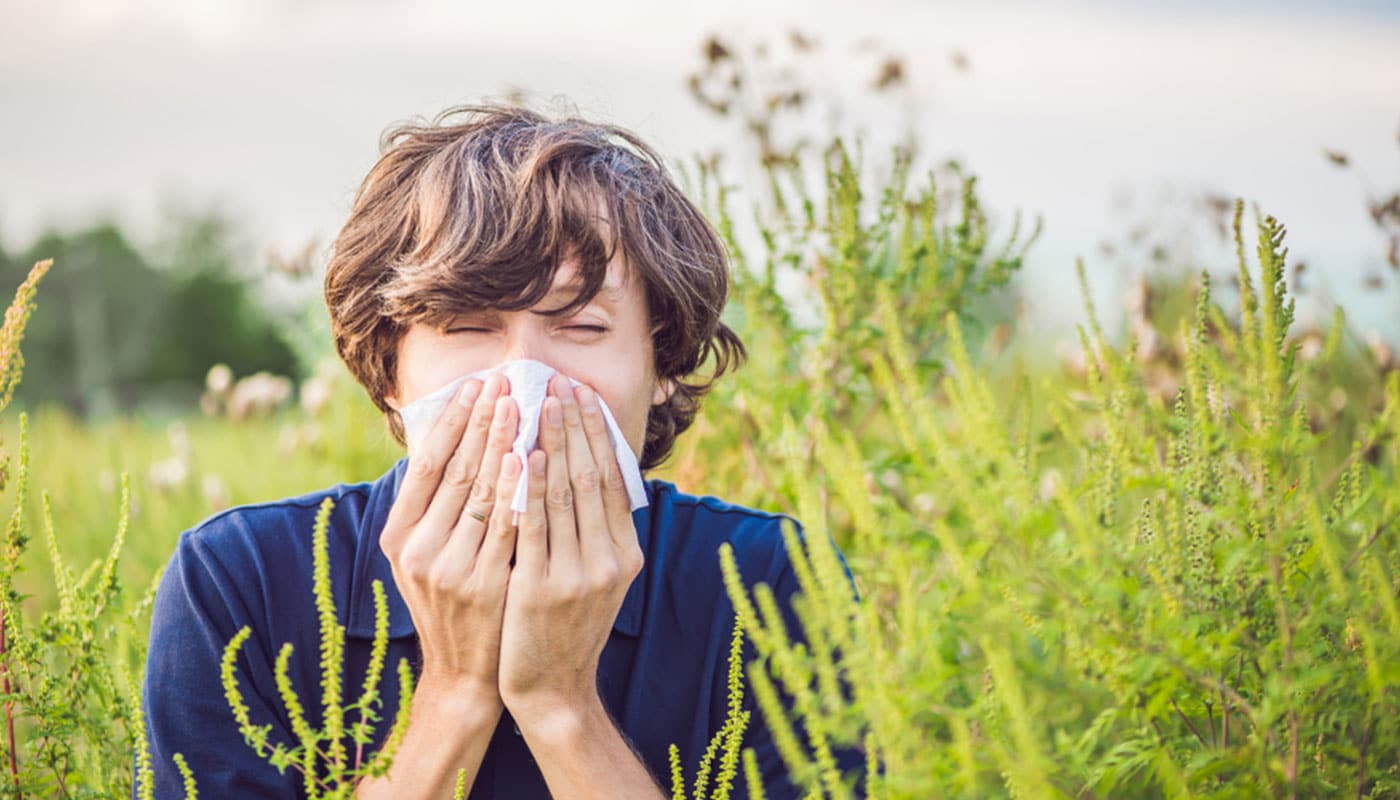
(59, 772)
(1210, 718)
(1361, 757)
(9, 707)
(1225, 716)
(1293, 754)
(1188, 722)
(1376, 534)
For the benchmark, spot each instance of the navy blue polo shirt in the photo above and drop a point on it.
(662, 674)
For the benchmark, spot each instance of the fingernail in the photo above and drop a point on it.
(552, 415)
(504, 406)
(470, 391)
(586, 396)
(510, 465)
(537, 464)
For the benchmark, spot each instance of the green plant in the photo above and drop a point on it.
(320, 755)
(842, 264)
(69, 711)
(726, 741)
(1193, 599)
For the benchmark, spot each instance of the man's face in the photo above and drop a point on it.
(605, 345)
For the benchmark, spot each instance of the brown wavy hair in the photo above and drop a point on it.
(477, 209)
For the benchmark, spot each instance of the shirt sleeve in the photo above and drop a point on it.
(197, 610)
(776, 784)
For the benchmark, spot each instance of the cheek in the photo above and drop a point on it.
(415, 382)
(629, 401)
(426, 363)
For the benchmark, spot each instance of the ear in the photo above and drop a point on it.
(665, 387)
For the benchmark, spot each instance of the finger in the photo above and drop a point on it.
(499, 544)
(586, 482)
(484, 494)
(426, 463)
(469, 517)
(461, 471)
(532, 534)
(559, 495)
(615, 500)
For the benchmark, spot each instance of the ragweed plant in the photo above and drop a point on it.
(322, 755)
(69, 712)
(842, 262)
(1087, 592)
(726, 742)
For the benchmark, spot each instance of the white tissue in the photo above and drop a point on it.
(529, 383)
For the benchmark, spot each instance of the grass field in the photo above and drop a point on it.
(1155, 571)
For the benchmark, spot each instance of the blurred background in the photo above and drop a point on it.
(188, 164)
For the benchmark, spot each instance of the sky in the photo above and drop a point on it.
(1092, 115)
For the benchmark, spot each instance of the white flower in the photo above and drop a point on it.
(219, 380)
(258, 394)
(315, 393)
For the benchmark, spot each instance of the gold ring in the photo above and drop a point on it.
(476, 515)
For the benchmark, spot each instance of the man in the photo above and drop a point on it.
(559, 651)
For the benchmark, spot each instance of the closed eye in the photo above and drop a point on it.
(587, 328)
(468, 329)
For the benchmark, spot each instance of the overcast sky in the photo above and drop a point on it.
(273, 109)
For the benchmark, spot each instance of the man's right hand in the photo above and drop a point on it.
(450, 538)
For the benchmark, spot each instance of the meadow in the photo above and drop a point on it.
(1163, 566)
(1167, 568)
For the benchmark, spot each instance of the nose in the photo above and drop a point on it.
(526, 338)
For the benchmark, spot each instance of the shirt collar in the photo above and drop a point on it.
(371, 565)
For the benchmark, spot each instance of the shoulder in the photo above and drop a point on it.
(255, 557)
(277, 527)
(692, 528)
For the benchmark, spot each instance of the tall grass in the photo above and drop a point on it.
(1169, 572)
(1072, 587)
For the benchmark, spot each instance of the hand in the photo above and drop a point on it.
(449, 542)
(576, 555)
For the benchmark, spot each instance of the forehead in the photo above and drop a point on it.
(618, 287)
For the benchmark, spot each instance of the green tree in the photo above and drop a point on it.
(128, 326)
